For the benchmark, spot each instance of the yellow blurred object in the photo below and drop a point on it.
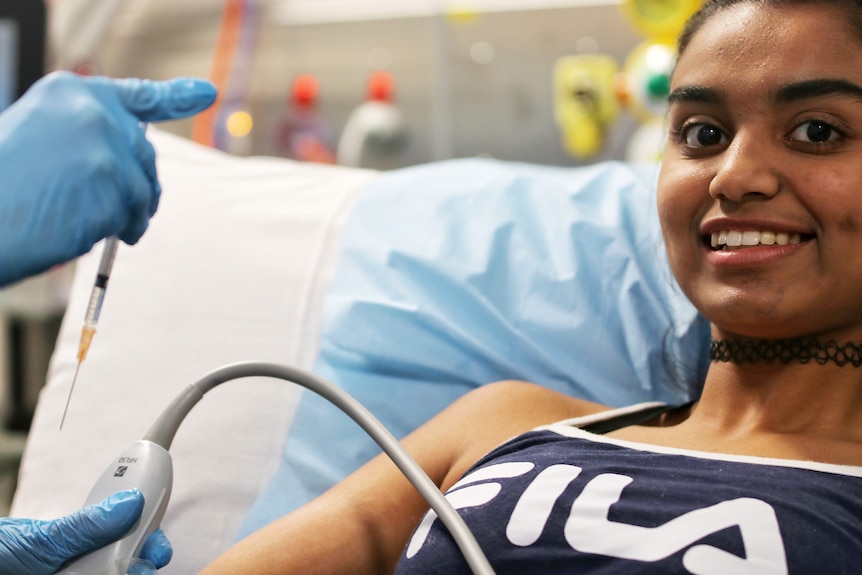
(659, 18)
(589, 91)
(239, 124)
(462, 13)
(585, 102)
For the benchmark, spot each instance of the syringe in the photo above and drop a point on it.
(94, 308)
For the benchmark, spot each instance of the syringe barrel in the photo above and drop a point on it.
(94, 307)
(97, 296)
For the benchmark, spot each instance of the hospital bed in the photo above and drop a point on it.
(406, 288)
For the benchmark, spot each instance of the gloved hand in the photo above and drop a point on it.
(75, 166)
(33, 547)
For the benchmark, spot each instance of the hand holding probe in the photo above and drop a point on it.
(94, 308)
(147, 466)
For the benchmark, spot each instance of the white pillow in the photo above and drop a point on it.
(233, 267)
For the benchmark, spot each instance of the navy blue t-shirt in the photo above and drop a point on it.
(562, 500)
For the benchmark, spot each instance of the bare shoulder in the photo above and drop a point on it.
(376, 508)
(523, 403)
(492, 414)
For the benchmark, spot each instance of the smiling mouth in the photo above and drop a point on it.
(728, 240)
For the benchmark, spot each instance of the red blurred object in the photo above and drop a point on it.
(381, 87)
(302, 134)
(305, 90)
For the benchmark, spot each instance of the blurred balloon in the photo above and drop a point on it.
(585, 104)
(590, 90)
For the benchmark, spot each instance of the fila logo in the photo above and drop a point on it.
(588, 529)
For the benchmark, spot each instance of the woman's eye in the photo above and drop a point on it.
(701, 135)
(815, 131)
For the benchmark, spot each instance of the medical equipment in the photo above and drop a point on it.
(146, 466)
(303, 133)
(376, 129)
(94, 308)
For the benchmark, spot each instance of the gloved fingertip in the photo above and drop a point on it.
(192, 95)
(134, 230)
(123, 507)
(122, 497)
(153, 101)
(157, 549)
(157, 196)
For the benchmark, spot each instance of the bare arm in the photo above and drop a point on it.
(362, 524)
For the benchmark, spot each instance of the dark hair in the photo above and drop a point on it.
(711, 7)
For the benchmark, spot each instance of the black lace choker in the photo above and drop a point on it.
(785, 351)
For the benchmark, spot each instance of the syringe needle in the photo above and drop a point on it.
(69, 398)
(94, 308)
(83, 347)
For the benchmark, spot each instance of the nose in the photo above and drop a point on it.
(747, 171)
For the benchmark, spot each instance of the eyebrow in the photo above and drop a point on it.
(817, 88)
(793, 92)
(695, 94)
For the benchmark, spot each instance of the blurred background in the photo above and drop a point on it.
(381, 84)
(467, 77)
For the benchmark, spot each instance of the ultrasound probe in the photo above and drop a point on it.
(146, 466)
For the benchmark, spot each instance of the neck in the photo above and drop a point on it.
(786, 396)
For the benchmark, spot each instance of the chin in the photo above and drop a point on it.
(758, 327)
(756, 315)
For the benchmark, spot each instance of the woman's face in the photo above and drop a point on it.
(760, 193)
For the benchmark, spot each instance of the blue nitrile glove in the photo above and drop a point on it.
(34, 547)
(75, 166)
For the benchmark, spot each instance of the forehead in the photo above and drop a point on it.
(758, 45)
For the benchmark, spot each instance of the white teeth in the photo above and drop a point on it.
(750, 238)
(736, 239)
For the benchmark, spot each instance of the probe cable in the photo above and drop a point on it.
(163, 430)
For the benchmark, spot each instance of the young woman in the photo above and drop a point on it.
(759, 199)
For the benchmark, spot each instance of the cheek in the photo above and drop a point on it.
(849, 224)
(681, 200)
(843, 208)
(665, 197)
